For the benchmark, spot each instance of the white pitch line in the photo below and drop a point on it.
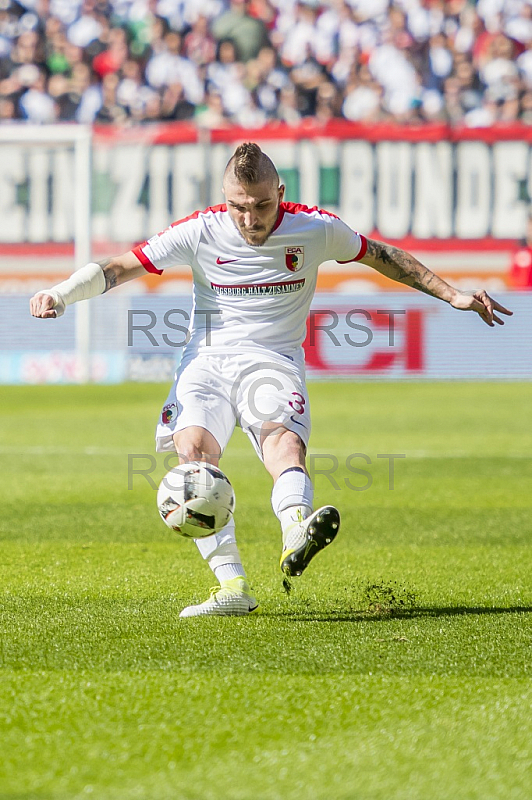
(43, 450)
(420, 454)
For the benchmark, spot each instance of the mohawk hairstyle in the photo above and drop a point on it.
(250, 165)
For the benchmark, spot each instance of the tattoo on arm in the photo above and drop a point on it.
(111, 278)
(402, 267)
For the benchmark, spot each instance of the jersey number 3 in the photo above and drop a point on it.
(298, 403)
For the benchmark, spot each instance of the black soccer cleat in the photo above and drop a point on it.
(310, 536)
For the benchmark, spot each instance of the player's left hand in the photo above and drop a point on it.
(483, 304)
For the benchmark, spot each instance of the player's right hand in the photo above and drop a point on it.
(42, 305)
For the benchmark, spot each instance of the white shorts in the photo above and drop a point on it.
(217, 392)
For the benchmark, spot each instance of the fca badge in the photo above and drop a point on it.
(294, 257)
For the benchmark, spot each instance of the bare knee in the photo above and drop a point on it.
(196, 444)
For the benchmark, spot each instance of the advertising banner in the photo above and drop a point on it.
(388, 336)
(426, 183)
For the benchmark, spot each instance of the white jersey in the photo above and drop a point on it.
(248, 297)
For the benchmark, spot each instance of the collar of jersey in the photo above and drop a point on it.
(280, 216)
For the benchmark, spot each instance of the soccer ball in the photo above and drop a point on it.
(195, 500)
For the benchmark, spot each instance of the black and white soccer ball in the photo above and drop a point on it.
(195, 500)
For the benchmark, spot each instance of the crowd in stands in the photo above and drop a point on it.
(249, 62)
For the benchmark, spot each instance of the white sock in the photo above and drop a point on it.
(291, 489)
(209, 545)
(221, 553)
(292, 498)
(226, 572)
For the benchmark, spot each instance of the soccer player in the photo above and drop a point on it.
(254, 262)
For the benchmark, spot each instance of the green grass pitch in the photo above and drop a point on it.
(399, 668)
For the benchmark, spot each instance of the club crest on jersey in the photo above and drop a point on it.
(169, 413)
(294, 258)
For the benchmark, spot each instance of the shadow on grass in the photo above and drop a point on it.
(384, 614)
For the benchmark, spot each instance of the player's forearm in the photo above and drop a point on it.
(120, 269)
(89, 281)
(83, 284)
(98, 277)
(402, 267)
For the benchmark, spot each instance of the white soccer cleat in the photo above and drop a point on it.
(304, 539)
(231, 599)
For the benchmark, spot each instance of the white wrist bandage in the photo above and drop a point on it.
(87, 282)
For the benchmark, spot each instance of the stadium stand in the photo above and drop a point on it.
(249, 62)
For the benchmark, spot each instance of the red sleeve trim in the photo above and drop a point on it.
(144, 260)
(361, 252)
